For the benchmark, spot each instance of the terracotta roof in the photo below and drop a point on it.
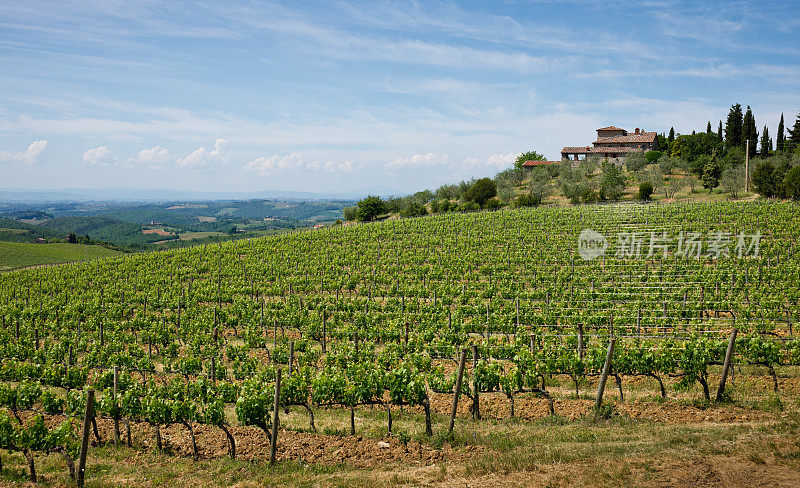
(578, 150)
(640, 137)
(598, 150)
(531, 163)
(611, 127)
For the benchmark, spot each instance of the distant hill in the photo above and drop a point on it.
(137, 195)
(100, 229)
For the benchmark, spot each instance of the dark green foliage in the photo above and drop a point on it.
(481, 191)
(468, 207)
(792, 183)
(103, 229)
(733, 127)
(493, 204)
(510, 177)
(780, 138)
(636, 160)
(350, 213)
(652, 156)
(749, 132)
(443, 206)
(645, 191)
(528, 156)
(692, 147)
(529, 200)
(719, 132)
(766, 179)
(711, 174)
(370, 207)
(766, 142)
(671, 136)
(588, 195)
(612, 184)
(708, 128)
(447, 192)
(414, 209)
(794, 133)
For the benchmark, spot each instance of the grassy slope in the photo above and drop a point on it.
(19, 255)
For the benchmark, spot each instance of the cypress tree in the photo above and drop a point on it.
(749, 131)
(780, 138)
(672, 134)
(733, 127)
(708, 128)
(719, 132)
(794, 133)
(766, 142)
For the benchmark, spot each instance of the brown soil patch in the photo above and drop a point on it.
(160, 232)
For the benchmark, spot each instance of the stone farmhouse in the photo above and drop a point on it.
(612, 143)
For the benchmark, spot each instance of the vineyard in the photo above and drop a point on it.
(402, 332)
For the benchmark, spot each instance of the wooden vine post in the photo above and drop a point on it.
(116, 407)
(457, 394)
(604, 376)
(476, 404)
(87, 420)
(727, 365)
(273, 442)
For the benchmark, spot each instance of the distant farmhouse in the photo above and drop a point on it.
(612, 143)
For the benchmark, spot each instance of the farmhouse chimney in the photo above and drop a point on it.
(637, 130)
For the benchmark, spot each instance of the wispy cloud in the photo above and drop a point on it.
(155, 157)
(202, 156)
(98, 156)
(296, 162)
(29, 156)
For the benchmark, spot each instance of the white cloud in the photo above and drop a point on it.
(30, 156)
(274, 163)
(100, 155)
(202, 156)
(159, 157)
(295, 161)
(156, 156)
(421, 160)
(470, 164)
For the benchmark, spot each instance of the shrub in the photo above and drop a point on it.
(529, 200)
(711, 174)
(792, 183)
(350, 213)
(481, 191)
(588, 195)
(370, 207)
(636, 160)
(766, 179)
(652, 156)
(493, 204)
(612, 184)
(645, 191)
(468, 207)
(414, 209)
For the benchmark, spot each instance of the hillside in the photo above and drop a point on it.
(369, 324)
(19, 255)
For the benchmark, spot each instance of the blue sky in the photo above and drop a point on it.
(328, 96)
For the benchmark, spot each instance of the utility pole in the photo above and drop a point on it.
(747, 167)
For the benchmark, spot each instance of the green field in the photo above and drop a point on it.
(19, 255)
